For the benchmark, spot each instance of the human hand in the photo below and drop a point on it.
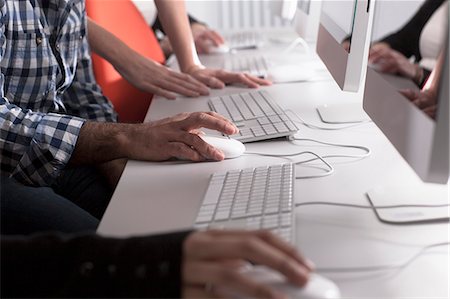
(391, 61)
(175, 137)
(205, 38)
(212, 261)
(150, 76)
(426, 100)
(217, 79)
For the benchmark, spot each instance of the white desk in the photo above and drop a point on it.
(156, 197)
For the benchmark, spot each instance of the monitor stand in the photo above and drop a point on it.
(343, 113)
(411, 192)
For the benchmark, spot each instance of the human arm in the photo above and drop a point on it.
(145, 74)
(406, 39)
(56, 265)
(172, 14)
(167, 265)
(175, 137)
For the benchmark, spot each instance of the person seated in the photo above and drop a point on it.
(420, 39)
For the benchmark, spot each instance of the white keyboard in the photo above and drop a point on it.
(254, 65)
(244, 40)
(253, 198)
(256, 115)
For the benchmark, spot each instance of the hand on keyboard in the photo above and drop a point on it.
(216, 78)
(212, 261)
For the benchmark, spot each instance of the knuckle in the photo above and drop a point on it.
(227, 275)
(250, 245)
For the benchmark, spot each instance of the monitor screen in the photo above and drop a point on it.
(338, 17)
(304, 5)
(341, 20)
(307, 17)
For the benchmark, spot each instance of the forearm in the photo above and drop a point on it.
(109, 47)
(172, 14)
(100, 142)
(56, 265)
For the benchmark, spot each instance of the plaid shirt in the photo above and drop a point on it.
(47, 87)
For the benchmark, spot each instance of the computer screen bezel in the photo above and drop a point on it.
(348, 68)
(306, 24)
(422, 141)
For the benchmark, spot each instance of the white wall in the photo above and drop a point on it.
(390, 14)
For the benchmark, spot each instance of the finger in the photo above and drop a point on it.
(273, 240)
(213, 37)
(190, 82)
(227, 279)
(431, 111)
(210, 121)
(255, 250)
(184, 84)
(259, 81)
(183, 152)
(201, 147)
(286, 248)
(159, 91)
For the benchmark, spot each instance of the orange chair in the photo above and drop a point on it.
(122, 18)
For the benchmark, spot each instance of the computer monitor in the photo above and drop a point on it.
(422, 136)
(423, 141)
(306, 20)
(342, 19)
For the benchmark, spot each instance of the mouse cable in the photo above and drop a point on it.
(317, 157)
(359, 147)
(397, 266)
(312, 126)
(348, 205)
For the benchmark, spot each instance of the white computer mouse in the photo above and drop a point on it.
(318, 287)
(221, 49)
(290, 73)
(231, 148)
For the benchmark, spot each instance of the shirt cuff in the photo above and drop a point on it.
(50, 150)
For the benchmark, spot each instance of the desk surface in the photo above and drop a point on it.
(157, 197)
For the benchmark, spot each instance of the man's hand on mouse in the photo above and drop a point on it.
(176, 137)
(212, 262)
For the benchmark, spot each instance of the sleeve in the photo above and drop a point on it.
(84, 97)
(34, 147)
(92, 266)
(406, 40)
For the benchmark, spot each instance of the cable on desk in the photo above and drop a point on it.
(312, 126)
(359, 147)
(399, 266)
(317, 157)
(347, 205)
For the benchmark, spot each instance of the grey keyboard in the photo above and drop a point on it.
(253, 198)
(254, 65)
(244, 40)
(256, 115)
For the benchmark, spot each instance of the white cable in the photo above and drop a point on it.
(359, 147)
(295, 43)
(396, 266)
(312, 126)
(347, 205)
(317, 157)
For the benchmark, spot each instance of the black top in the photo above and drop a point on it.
(55, 265)
(406, 40)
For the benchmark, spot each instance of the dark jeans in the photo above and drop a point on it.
(75, 203)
